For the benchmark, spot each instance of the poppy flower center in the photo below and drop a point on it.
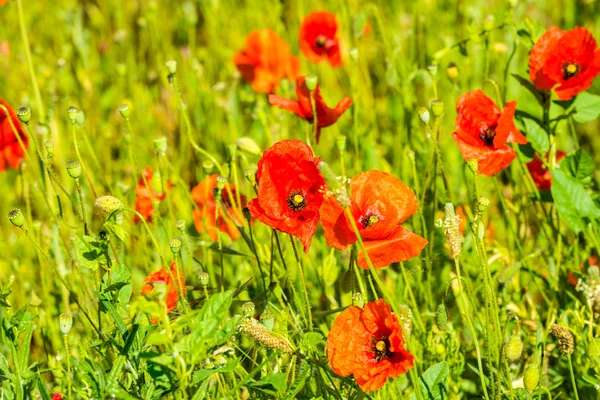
(321, 41)
(488, 135)
(570, 70)
(296, 201)
(381, 348)
(368, 220)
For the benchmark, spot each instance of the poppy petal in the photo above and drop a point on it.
(400, 246)
(338, 231)
(286, 104)
(490, 160)
(506, 130)
(475, 114)
(539, 56)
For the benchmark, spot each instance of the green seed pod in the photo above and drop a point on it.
(172, 67)
(250, 175)
(65, 322)
(353, 53)
(473, 165)
(72, 113)
(203, 277)
(432, 69)
(531, 378)
(311, 82)
(513, 348)
(358, 299)
(248, 309)
(484, 203)
(488, 23)
(207, 166)
(157, 183)
(24, 114)
(180, 224)
(124, 110)
(410, 154)
(424, 115)
(160, 145)
(16, 217)
(452, 72)
(441, 317)
(437, 108)
(49, 145)
(127, 138)
(80, 118)
(221, 182)
(175, 245)
(248, 145)
(74, 168)
(108, 204)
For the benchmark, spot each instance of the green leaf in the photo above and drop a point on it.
(433, 382)
(587, 107)
(310, 342)
(278, 381)
(19, 315)
(296, 386)
(572, 201)
(579, 165)
(536, 135)
(90, 252)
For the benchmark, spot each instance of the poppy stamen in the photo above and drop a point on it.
(368, 220)
(569, 70)
(321, 41)
(488, 136)
(381, 348)
(296, 201)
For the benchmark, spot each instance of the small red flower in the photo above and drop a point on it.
(368, 343)
(380, 202)
(143, 202)
(482, 131)
(57, 395)
(541, 176)
(290, 190)
(302, 107)
(11, 152)
(229, 215)
(265, 60)
(318, 38)
(162, 276)
(566, 61)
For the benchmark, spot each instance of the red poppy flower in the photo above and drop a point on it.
(162, 276)
(143, 202)
(368, 343)
(482, 131)
(290, 190)
(229, 214)
(11, 152)
(379, 203)
(57, 395)
(567, 61)
(318, 38)
(302, 107)
(265, 60)
(541, 176)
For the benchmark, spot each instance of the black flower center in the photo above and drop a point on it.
(368, 220)
(381, 348)
(296, 200)
(488, 135)
(570, 70)
(321, 41)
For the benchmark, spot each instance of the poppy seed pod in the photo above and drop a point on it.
(483, 204)
(203, 277)
(124, 110)
(108, 204)
(452, 72)
(172, 67)
(564, 338)
(248, 309)
(175, 245)
(180, 224)
(24, 114)
(513, 348)
(160, 145)
(208, 166)
(473, 165)
(74, 168)
(358, 299)
(221, 182)
(248, 145)
(16, 217)
(424, 115)
(49, 145)
(72, 113)
(311, 82)
(531, 378)
(437, 108)
(441, 317)
(156, 182)
(250, 175)
(432, 69)
(65, 323)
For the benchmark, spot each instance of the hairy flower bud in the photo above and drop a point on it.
(252, 328)
(108, 204)
(513, 348)
(248, 145)
(531, 378)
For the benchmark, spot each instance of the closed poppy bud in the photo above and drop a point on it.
(484, 203)
(74, 168)
(250, 175)
(203, 277)
(340, 143)
(157, 183)
(80, 118)
(248, 309)
(24, 114)
(172, 67)
(311, 82)
(221, 182)
(49, 145)
(65, 323)
(358, 299)
(441, 317)
(424, 115)
(248, 145)
(180, 224)
(16, 217)
(72, 113)
(410, 154)
(247, 214)
(433, 69)
(452, 72)
(437, 107)
(513, 348)
(207, 166)
(124, 110)
(531, 378)
(175, 245)
(108, 204)
(488, 23)
(473, 165)
(160, 145)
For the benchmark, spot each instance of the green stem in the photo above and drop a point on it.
(85, 226)
(66, 339)
(572, 377)
(154, 242)
(306, 299)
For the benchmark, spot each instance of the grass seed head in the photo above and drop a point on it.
(564, 337)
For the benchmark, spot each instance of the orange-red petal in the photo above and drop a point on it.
(400, 245)
(490, 160)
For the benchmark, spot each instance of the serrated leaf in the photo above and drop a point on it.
(296, 386)
(536, 135)
(572, 201)
(310, 342)
(579, 165)
(278, 381)
(434, 382)
(586, 107)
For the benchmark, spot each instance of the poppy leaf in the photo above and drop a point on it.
(572, 201)
(579, 165)
(536, 135)
(226, 250)
(434, 382)
(277, 381)
(587, 107)
(311, 341)
(300, 381)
